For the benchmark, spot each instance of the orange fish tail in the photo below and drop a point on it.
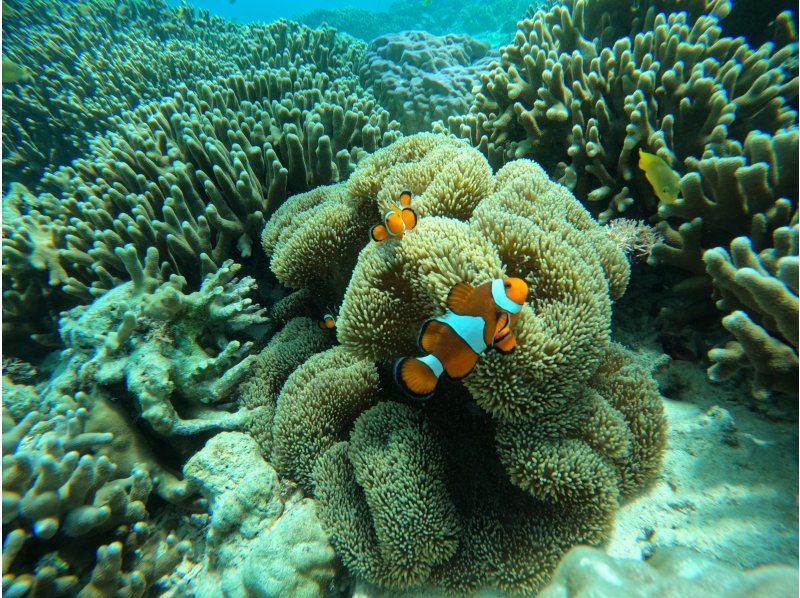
(379, 232)
(416, 377)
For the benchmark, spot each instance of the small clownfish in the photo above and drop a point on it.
(398, 219)
(665, 181)
(477, 319)
(328, 322)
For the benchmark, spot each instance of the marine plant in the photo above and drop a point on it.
(494, 479)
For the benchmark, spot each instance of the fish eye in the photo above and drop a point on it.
(508, 285)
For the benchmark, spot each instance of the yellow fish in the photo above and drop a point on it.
(12, 72)
(665, 181)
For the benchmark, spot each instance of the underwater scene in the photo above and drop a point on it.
(415, 298)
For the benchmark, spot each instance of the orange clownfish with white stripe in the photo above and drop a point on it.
(328, 322)
(477, 319)
(399, 218)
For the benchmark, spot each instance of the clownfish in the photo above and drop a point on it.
(398, 219)
(665, 181)
(477, 319)
(327, 322)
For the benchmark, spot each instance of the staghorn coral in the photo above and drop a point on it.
(91, 64)
(421, 78)
(62, 499)
(584, 84)
(194, 176)
(673, 572)
(759, 295)
(532, 453)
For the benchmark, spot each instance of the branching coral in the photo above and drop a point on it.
(421, 78)
(62, 499)
(169, 359)
(194, 176)
(94, 60)
(569, 422)
(584, 84)
(723, 198)
(759, 294)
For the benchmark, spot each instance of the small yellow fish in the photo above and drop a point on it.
(665, 181)
(12, 72)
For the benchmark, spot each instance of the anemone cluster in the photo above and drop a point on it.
(534, 450)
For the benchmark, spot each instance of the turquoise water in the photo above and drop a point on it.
(425, 298)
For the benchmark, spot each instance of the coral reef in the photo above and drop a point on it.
(671, 573)
(420, 78)
(169, 358)
(93, 60)
(722, 198)
(195, 176)
(63, 500)
(257, 542)
(759, 294)
(583, 85)
(533, 453)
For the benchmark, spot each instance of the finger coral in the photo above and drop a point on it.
(92, 60)
(62, 498)
(172, 358)
(759, 294)
(496, 477)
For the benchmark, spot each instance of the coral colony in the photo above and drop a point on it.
(292, 313)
